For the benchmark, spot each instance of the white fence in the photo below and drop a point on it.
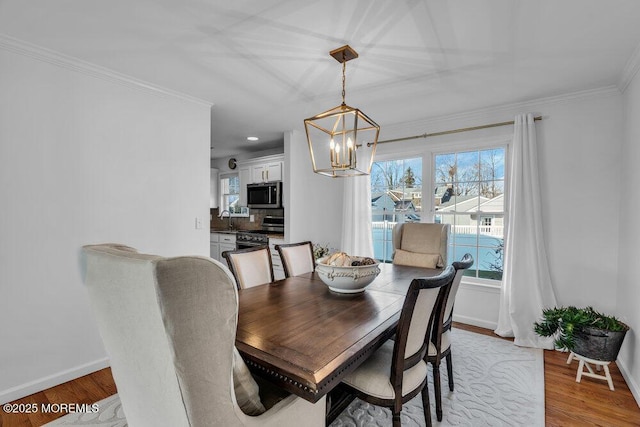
(487, 230)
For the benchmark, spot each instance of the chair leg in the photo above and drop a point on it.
(437, 390)
(426, 406)
(450, 370)
(396, 420)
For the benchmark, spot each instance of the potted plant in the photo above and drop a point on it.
(583, 331)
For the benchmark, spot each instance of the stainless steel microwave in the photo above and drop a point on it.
(267, 195)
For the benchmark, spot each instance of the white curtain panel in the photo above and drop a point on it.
(526, 282)
(356, 217)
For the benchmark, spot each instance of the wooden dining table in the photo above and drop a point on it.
(305, 338)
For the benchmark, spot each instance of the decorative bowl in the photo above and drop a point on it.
(347, 279)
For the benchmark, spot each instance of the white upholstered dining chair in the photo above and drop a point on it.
(440, 345)
(169, 328)
(250, 267)
(297, 258)
(420, 244)
(397, 371)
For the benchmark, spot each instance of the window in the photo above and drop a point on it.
(469, 195)
(229, 192)
(396, 196)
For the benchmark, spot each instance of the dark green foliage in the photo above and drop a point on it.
(498, 261)
(567, 322)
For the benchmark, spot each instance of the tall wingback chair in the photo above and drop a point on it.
(397, 371)
(169, 328)
(297, 258)
(420, 244)
(440, 345)
(251, 267)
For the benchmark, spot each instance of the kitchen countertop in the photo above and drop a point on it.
(275, 236)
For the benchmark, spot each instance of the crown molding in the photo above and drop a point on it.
(507, 109)
(630, 69)
(58, 59)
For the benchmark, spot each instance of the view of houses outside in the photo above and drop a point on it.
(396, 196)
(468, 195)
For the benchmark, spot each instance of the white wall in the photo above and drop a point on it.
(314, 202)
(628, 293)
(580, 156)
(85, 158)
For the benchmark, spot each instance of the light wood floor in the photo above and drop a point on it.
(567, 403)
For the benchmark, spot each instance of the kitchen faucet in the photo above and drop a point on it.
(229, 215)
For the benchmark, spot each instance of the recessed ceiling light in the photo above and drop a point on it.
(252, 138)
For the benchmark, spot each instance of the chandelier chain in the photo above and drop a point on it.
(344, 68)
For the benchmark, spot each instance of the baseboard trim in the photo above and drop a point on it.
(481, 323)
(635, 390)
(35, 386)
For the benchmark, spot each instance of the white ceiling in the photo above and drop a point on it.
(265, 63)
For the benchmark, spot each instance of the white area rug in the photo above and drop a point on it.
(496, 384)
(110, 414)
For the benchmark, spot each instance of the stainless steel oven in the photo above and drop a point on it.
(252, 238)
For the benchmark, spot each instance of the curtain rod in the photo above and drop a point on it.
(447, 132)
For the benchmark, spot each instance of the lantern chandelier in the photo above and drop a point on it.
(335, 136)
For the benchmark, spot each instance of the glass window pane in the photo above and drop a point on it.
(469, 195)
(491, 259)
(492, 164)
(492, 194)
(468, 200)
(234, 185)
(230, 192)
(491, 189)
(445, 169)
(467, 167)
(396, 196)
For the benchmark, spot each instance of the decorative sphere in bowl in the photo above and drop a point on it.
(347, 274)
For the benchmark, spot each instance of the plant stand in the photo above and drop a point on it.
(586, 362)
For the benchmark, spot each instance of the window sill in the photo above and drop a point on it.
(488, 285)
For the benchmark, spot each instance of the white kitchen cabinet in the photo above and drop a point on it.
(220, 242)
(214, 250)
(261, 169)
(227, 243)
(214, 246)
(267, 172)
